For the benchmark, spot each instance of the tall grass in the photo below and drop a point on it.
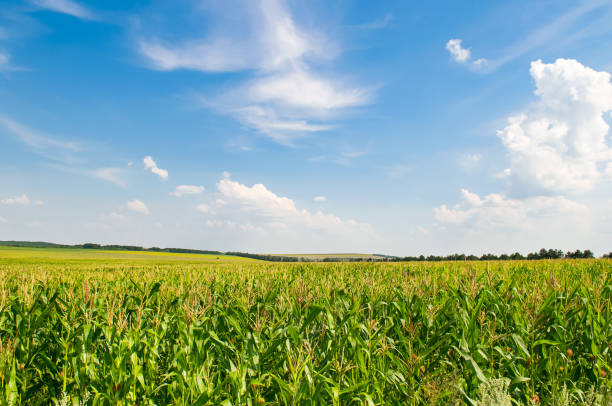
(258, 333)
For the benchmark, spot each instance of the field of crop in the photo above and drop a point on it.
(119, 330)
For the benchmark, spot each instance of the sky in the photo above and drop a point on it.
(273, 126)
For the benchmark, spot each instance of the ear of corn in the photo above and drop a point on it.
(259, 333)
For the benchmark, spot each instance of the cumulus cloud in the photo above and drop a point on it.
(183, 190)
(137, 206)
(149, 163)
(266, 210)
(499, 211)
(457, 51)
(463, 55)
(112, 175)
(66, 7)
(286, 98)
(560, 144)
(17, 200)
(320, 199)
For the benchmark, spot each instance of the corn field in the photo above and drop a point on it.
(257, 333)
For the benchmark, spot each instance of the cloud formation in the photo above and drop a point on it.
(51, 147)
(499, 211)
(320, 199)
(66, 7)
(112, 175)
(264, 211)
(463, 55)
(149, 163)
(286, 98)
(183, 190)
(560, 144)
(17, 200)
(137, 206)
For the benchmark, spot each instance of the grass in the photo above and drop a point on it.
(156, 331)
(70, 255)
(321, 256)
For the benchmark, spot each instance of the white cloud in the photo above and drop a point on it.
(498, 211)
(66, 7)
(271, 40)
(112, 175)
(17, 200)
(182, 190)
(39, 203)
(286, 99)
(320, 199)
(302, 89)
(3, 220)
(560, 144)
(464, 55)
(149, 163)
(137, 206)
(265, 209)
(457, 51)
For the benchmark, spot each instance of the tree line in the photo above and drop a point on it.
(541, 254)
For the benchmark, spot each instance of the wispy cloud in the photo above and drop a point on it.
(376, 24)
(66, 7)
(320, 199)
(113, 175)
(547, 33)
(286, 98)
(5, 63)
(469, 162)
(34, 139)
(565, 28)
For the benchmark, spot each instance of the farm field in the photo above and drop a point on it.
(121, 328)
(320, 257)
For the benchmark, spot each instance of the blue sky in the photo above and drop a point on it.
(308, 126)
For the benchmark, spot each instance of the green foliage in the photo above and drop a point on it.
(328, 333)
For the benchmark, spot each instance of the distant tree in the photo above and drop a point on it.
(517, 256)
